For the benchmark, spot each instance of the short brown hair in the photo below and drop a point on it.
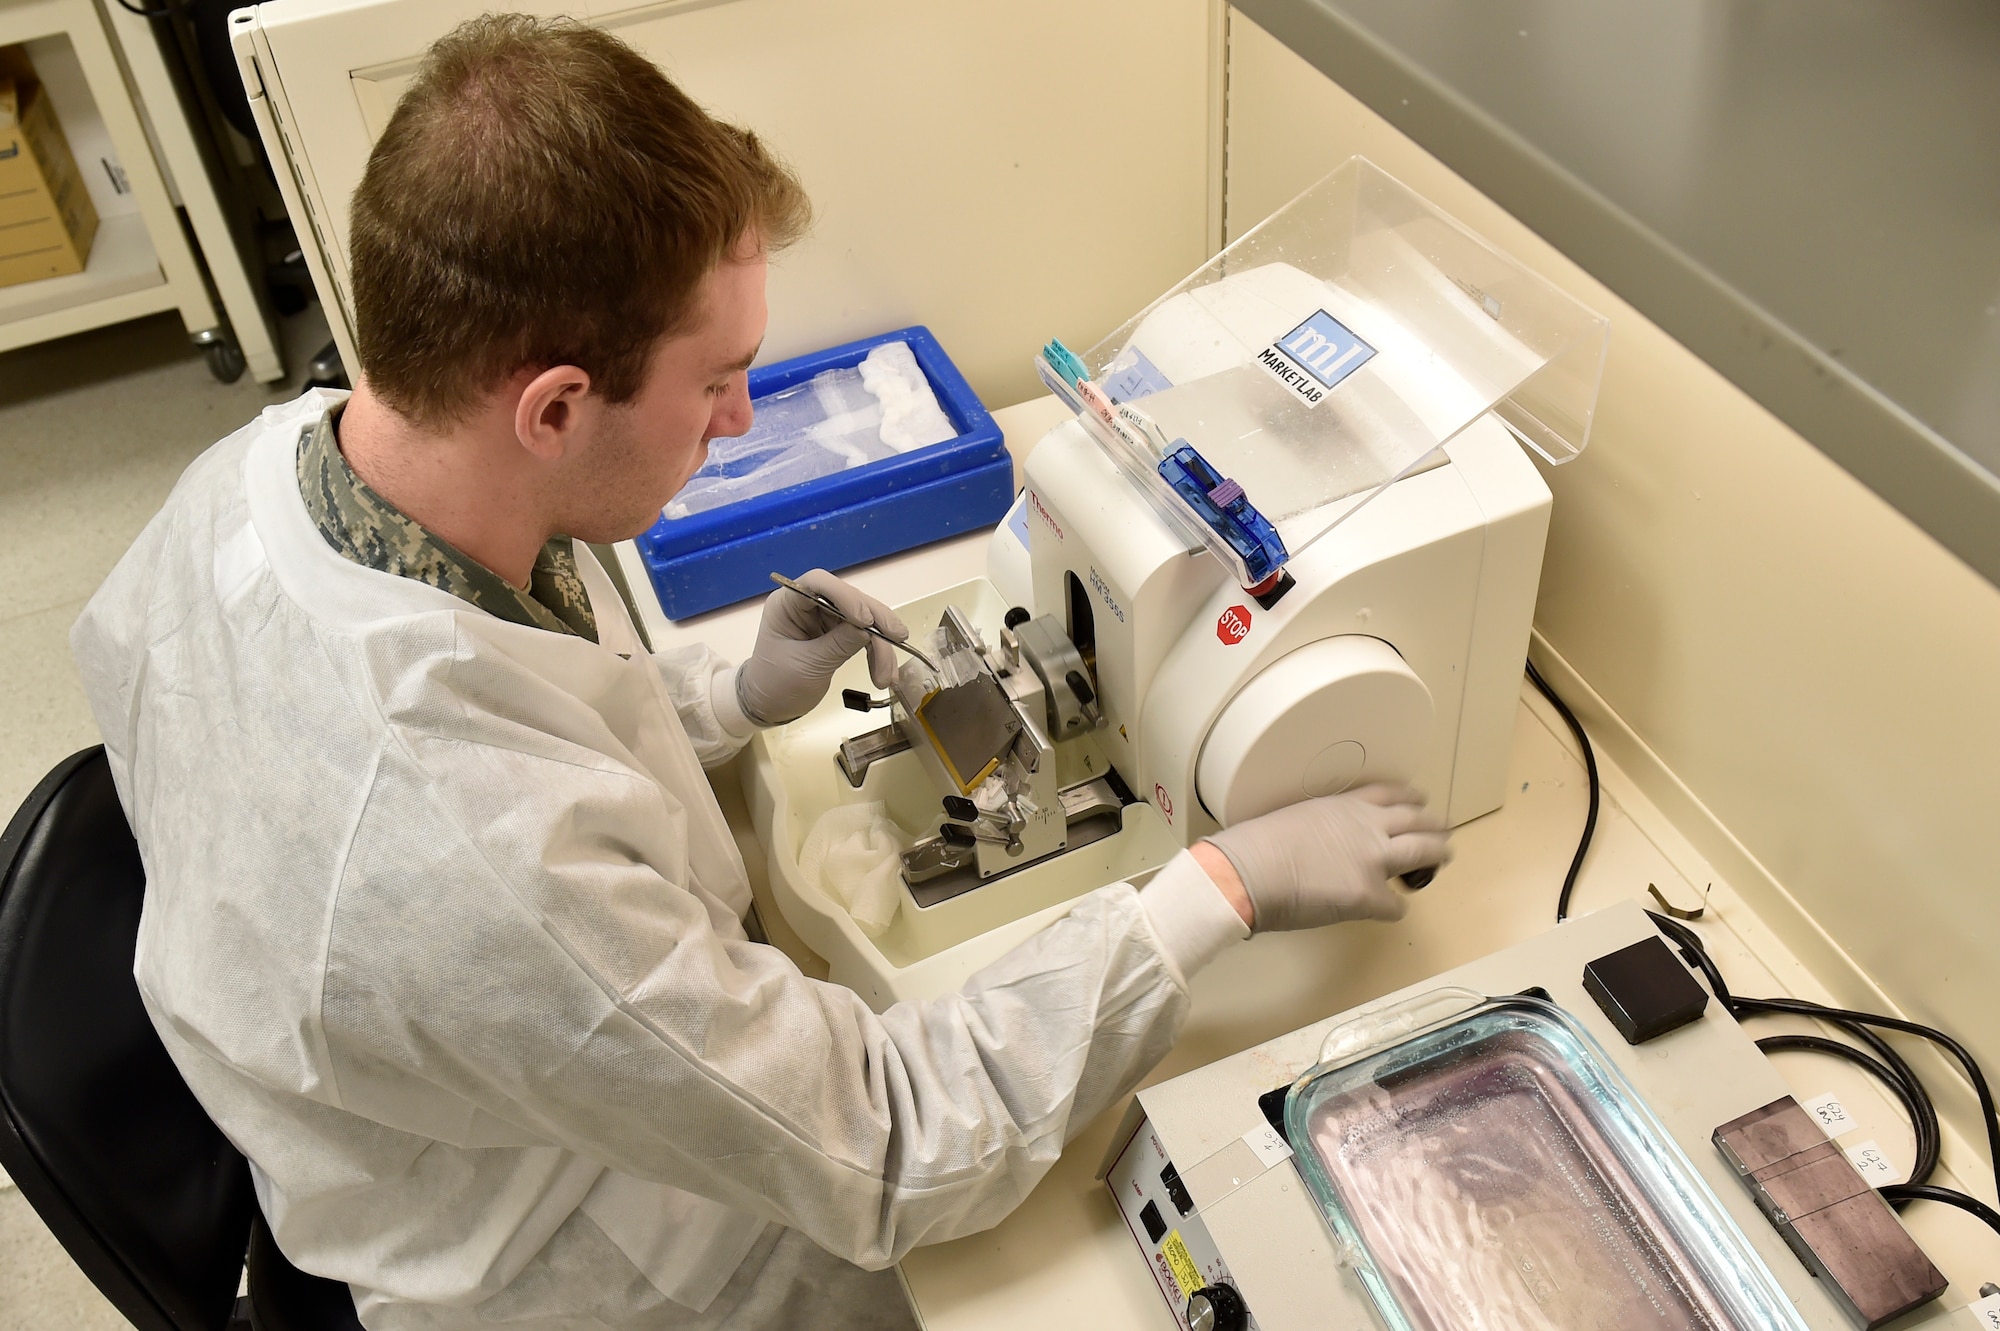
(542, 196)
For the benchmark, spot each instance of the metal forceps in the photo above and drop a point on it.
(846, 618)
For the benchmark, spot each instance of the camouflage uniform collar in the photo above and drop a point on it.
(364, 527)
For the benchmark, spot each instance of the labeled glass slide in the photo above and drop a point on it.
(1492, 1171)
(1329, 351)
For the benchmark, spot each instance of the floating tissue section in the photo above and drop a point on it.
(1495, 1170)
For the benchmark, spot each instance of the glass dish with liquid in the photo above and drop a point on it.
(1492, 1171)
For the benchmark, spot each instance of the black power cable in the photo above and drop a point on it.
(1590, 770)
(1801, 1008)
(167, 9)
(1923, 1192)
(1884, 1063)
(1930, 1138)
(1922, 1114)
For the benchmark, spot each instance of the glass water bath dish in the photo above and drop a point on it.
(1484, 1167)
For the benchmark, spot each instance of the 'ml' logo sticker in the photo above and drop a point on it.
(1315, 356)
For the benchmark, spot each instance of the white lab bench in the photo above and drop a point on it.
(1787, 671)
(1066, 1257)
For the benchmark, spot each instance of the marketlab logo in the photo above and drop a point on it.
(1314, 357)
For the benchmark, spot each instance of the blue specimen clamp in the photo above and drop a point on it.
(1221, 503)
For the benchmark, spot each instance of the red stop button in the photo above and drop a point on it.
(1233, 625)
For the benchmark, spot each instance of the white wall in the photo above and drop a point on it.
(983, 169)
(1816, 671)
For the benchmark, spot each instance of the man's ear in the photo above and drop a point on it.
(550, 410)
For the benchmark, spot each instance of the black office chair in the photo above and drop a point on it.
(97, 1128)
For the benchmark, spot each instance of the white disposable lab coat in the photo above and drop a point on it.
(443, 926)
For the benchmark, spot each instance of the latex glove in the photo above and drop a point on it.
(799, 646)
(1325, 860)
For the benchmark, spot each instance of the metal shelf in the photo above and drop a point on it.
(140, 262)
(122, 281)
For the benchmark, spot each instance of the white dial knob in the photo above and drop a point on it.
(1333, 714)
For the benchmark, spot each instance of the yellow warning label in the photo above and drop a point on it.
(1182, 1265)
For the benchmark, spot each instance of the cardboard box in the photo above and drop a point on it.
(46, 218)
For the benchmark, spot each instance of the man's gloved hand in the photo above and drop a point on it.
(1325, 860)
(799, 646)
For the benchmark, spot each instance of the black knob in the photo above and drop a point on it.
(854, 700)
(954, 835)
(961, 808)
(1418, 879)
(1080, 687)
(1217, 1308)
(1015, 617)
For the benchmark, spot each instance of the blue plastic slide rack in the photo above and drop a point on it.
(1221, 503)
(727, 554)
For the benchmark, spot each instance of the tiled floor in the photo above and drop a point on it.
(94, 429)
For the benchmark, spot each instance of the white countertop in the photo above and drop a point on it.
(1066, 1254)
(1065, 1257)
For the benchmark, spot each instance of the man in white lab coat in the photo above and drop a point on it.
(443, 925)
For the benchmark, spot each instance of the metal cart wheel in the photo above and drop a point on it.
(325, 370)
(224, 357)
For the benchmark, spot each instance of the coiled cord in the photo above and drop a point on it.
(1880, 1060)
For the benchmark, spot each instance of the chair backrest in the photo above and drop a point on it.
(97, 1128)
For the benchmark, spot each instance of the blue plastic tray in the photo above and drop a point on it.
(727, 554)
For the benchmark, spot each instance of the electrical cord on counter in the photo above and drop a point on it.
(166, 10)
(1883, 1063)
(1590, 770)
(1880, 1060)
(1899, 1083)
(1924, 1192)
